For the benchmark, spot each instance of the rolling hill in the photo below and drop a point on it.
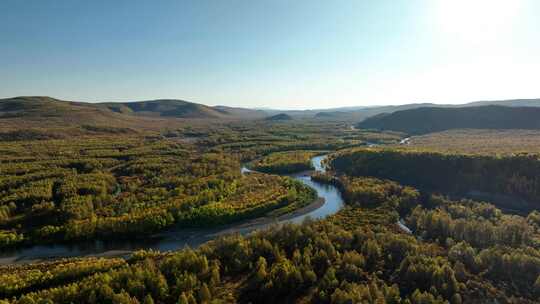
(507, 103)
(42, 108)
(163, 108)
(432, 119)
(359, 113)
(279, 117)
(242, 112)
(180, 109)
(21, 112)
(41, 117)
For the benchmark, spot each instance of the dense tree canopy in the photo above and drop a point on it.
(68, 190)
(460, 252)
(285, 162)
(512, 182)
(455, 251)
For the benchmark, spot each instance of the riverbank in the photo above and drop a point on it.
(328, 202)
(192, 237)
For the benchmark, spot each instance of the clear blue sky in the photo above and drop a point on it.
(281, 54)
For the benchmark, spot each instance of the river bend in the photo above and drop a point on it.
(330, 202)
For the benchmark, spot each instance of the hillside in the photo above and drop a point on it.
(431, 119)
(36, 113)
(345, 113)
(42, 106)
(279, 117)
(33, 111)
(163, 108)
(179, 109)
(360, 113)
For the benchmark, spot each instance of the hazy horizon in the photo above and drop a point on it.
(275, 108)
(279, 54)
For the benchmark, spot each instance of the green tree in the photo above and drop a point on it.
(204, 294)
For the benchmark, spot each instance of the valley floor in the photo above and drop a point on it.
(111, 187)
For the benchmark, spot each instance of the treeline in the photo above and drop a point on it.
(512, 181)
(284, 162)
(59, 190)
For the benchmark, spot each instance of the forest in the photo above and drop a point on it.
(511, 181)
(447, 259)
(105, 186)
(112, 187)
(284, 162)
(269, 152)
(109, 186)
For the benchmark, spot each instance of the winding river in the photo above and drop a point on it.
(330, 202)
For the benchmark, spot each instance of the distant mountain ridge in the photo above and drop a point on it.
(507, 103)
(362, 112)
(39, 107)
(28, 106)
(434, 119)
(180, 109)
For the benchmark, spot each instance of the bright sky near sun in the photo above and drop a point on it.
(280, 54)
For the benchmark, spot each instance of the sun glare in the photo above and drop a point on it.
(477, 21)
